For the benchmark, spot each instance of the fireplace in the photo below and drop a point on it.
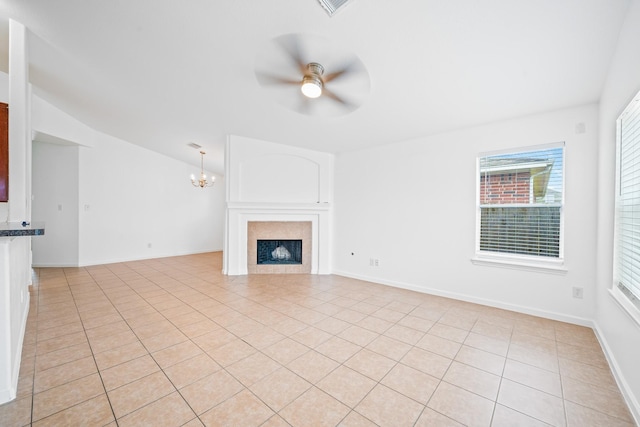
(248, 223)
(275, 247)
(279, 251)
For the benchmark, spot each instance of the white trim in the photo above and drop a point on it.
(543, 264)
(625, 389)
(89, 263)
(519, 166)
(554, 266)
(522, 205)
(618, 267)
(627, 306)
(268, 206)
(539, 147)
(473, 299)
(7, 395)
(238, 219)
(630, 399)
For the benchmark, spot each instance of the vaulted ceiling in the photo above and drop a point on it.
(164, 73)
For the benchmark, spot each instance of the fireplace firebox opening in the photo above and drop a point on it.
(279, 252)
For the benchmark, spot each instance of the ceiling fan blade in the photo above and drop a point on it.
(335, 75)
(349, 68)
(329, 94)
(291, 45)
(270, 79)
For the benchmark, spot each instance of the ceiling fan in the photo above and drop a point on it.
(311, 76)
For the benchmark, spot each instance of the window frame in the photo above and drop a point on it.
(520, 261)
(4, 152)
(628, 300)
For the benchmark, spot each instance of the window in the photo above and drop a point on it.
(627, 231)
(4, 152)
(520, 200)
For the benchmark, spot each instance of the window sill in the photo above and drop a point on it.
(627, 306)
(517, 263)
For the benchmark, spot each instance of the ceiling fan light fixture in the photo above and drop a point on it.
(312, 83)
(311, 86)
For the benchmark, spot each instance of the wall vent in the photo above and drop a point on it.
(194, 145)
(332, 6)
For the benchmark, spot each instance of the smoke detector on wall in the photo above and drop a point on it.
(332, 6)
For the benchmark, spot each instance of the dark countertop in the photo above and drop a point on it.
(15, 229)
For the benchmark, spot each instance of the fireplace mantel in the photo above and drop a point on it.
(261, 206)
(239, 214)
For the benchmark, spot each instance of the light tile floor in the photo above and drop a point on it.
(173, 342)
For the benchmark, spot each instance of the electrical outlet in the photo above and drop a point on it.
(376, 262)
(578, 292)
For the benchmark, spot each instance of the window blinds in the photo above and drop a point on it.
(628, 199)
(520, 202)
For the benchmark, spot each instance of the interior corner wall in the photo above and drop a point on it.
(412, 207)
(138, 204)
(619, 334)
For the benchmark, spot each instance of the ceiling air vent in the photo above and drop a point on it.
(332, 6)
(194, 145)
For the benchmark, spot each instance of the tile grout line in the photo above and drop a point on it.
(232, 304)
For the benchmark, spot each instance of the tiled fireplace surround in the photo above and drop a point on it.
(248, 222)
(278, 230)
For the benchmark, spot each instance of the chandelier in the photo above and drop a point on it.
(202, 180)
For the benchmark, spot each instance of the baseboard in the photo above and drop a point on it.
(469, 298)
(5, 396)
(53, 265)
(119, 260)
(142, 258)
(629, 397)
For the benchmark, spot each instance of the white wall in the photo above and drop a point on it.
(119, 201)
(55, 202)
(50, 124)
(130, 198)
(411, 205)
(619, 334)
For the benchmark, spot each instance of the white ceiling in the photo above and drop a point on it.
(163, 73)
